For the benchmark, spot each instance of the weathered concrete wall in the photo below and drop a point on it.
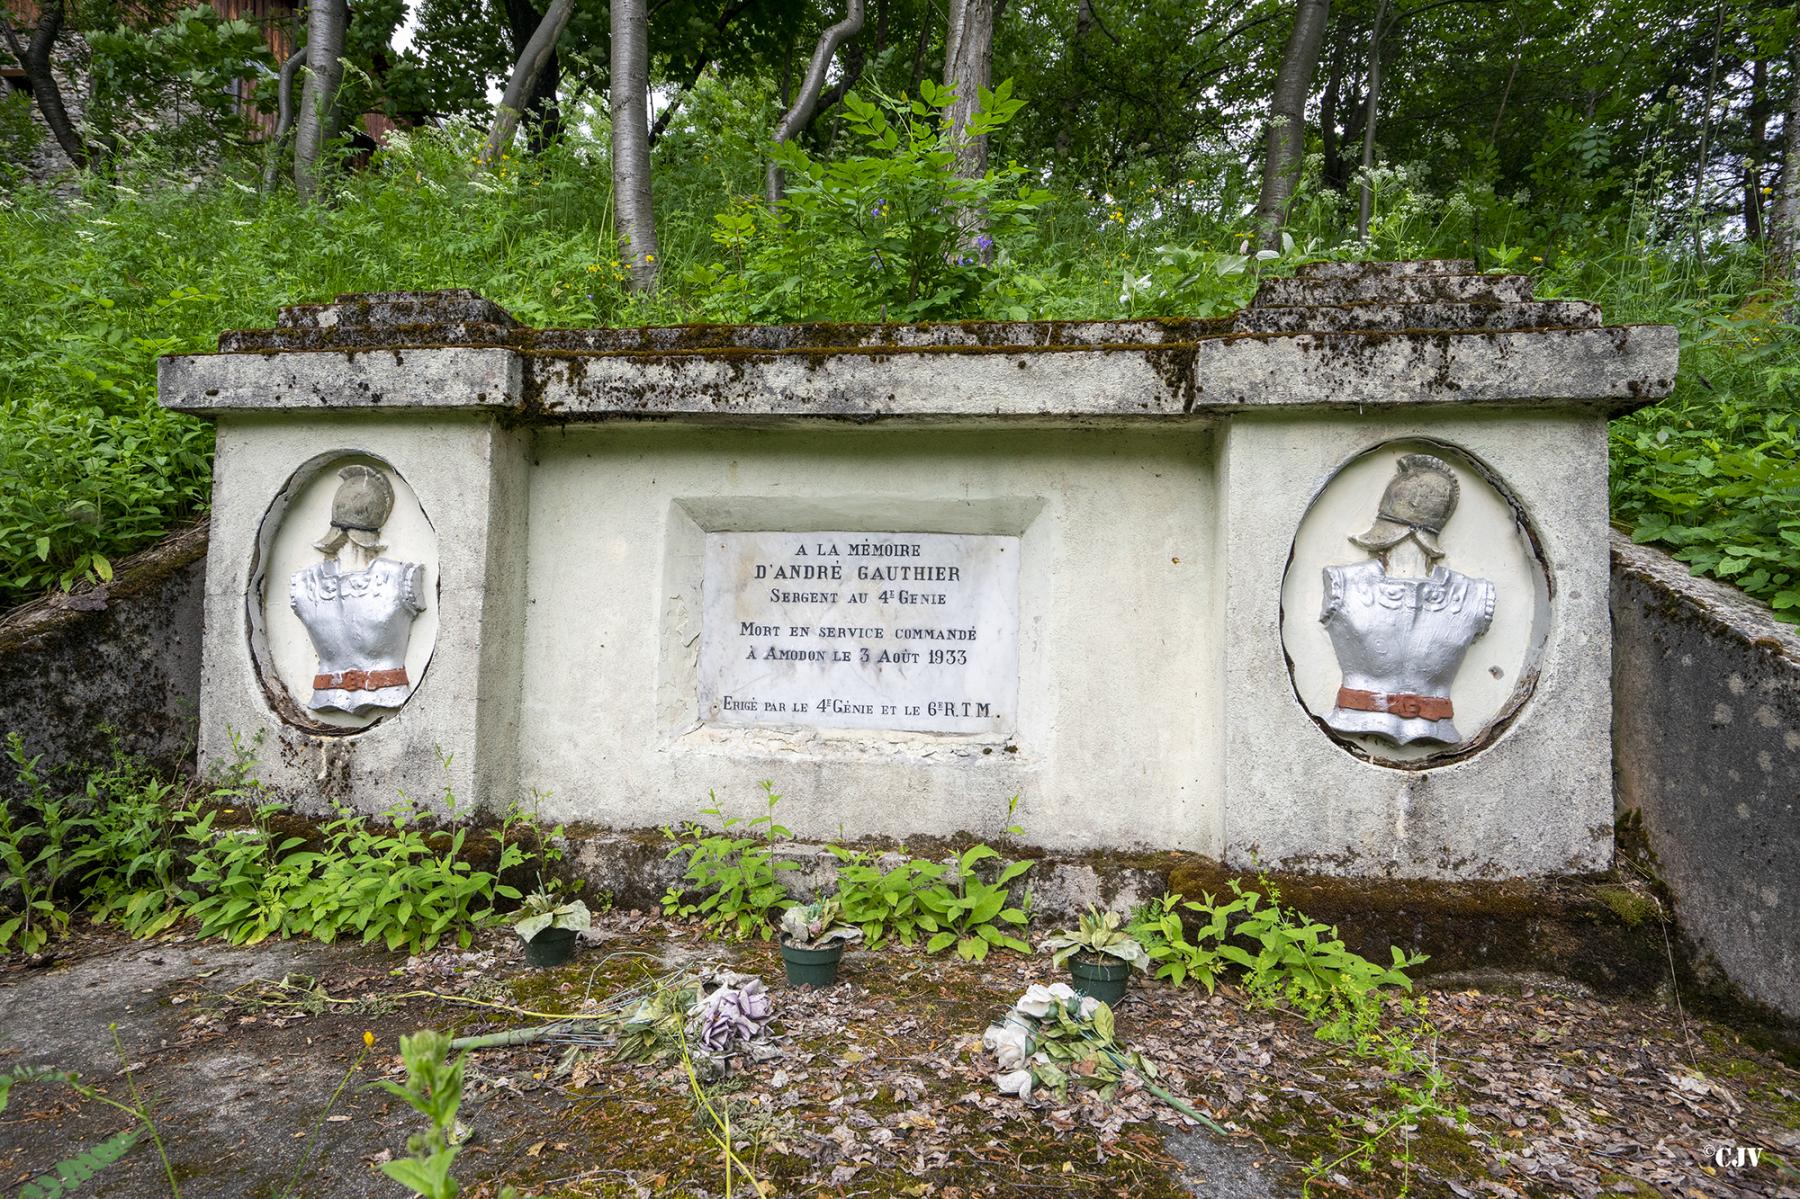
(123, 657)
(1706, 735)
(1151, 476)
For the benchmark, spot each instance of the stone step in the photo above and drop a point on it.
(1387, 270)
(1342, 318)
(1404, 289)
(382, 309)
(355, 336)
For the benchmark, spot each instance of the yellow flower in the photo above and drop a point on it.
(368, 1039)
(1768, 191)
(1536, 258)
(649, 258)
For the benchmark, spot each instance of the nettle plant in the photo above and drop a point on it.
(893, 232)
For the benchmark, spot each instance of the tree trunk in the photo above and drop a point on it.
(628, 93)
(806, 104)
(541, 114)
(1285, 139)
(533, 60)
(35, 58)
(1084, 24)
(1758, 120)
(1784, 215)
(325, 23)
(1712, 76)
(284, 118)
(1371, 107)
(968, 59)
(1330, 141)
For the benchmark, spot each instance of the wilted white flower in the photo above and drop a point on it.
(1008, 1044)
(1016, 1082)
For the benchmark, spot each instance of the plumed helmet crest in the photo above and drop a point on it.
(1418, 502)
(364, 500)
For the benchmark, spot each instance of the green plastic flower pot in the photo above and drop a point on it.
(1103, 980)
(550, 947)
(812, 967)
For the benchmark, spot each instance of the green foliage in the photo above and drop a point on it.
(171, 88)
(1284, 957)
(143, 852)
(1096, 935)
(36, 840)
(961, 909)
(892, 233)
(731, 882)
(541, 911)
(1713, 474)
(883, 903)
(433, 1088)
(70, 1175)
(20, 136)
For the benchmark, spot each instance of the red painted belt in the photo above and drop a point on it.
(360, 680)
(1412, 707)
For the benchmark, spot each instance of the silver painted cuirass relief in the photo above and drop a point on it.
(1400, 640)
(359, 619)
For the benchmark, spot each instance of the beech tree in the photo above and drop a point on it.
(316, 122)
(629, 96)
(1285, 139)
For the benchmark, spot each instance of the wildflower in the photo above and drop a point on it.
(649, 258)
(1768, 191)
(1537, 258)
(984, 243)
(368, 1039)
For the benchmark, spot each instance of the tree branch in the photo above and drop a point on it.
(806, 104)
(525, 74)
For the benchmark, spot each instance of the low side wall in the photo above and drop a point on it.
(123, 656)
(1706, 736)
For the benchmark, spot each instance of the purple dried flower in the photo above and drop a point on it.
(733, 1016)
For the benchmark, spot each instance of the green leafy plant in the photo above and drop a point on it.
(433, 1088)
(893, 232)
(731, 881)
(129, 861)
(71, 1174)
(1097, 935)
(881, 902)
(1163, 931)
(35, 856)
(541, 911)
(959, 908)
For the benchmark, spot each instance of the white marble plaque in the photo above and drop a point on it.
(912, 631)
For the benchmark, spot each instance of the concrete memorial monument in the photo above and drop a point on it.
(1323, 586)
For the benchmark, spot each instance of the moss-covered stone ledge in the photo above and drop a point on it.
(1340, 336)
(1605, 932)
